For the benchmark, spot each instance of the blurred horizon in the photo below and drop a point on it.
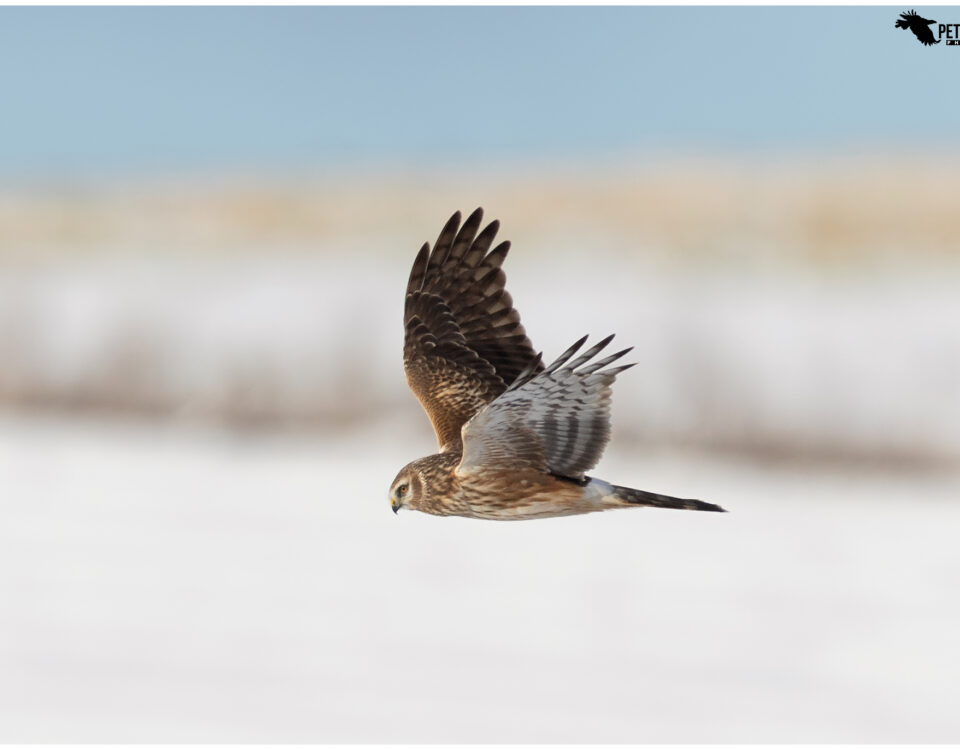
(764, 300)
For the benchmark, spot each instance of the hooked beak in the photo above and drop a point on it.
(395, 508)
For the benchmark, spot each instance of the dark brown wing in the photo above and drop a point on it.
(464, 344)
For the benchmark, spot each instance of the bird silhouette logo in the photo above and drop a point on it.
(919, 26)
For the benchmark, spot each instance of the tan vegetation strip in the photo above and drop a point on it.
(819, 209)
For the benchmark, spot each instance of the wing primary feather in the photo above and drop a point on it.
(465, 236)
(594, 366)
(491, 280)
(474, 255)
(590, 353)
(482, 243)
(444, 242)
(495, 257)
(617, 370)
(559, 361)
(419, 270)
(527, 372)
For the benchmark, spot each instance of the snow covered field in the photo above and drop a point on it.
(202, 405)
(159, 584)
(788, 360)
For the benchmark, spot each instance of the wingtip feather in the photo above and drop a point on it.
(559, 361)
(475, 215)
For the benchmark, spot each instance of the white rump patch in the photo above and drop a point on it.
(596, 490)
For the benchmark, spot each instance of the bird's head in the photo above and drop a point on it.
(406, 491)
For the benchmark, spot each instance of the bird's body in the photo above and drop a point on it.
(514, 495)
(515, 437)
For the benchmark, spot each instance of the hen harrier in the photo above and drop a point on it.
(516, 438)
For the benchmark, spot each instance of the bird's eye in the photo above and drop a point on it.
(401, 490)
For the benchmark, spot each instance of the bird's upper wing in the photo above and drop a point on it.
(463, 342)
(556, 420)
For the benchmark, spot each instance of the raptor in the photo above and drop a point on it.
(516, 437)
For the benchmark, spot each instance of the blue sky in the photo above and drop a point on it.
(88, 91)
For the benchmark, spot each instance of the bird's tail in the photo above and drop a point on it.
(630, 496)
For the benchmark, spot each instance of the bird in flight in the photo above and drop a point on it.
(516, 437)
(919, 26)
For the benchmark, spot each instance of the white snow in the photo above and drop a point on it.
(164, 581)
(800, 360)
(165, 585)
